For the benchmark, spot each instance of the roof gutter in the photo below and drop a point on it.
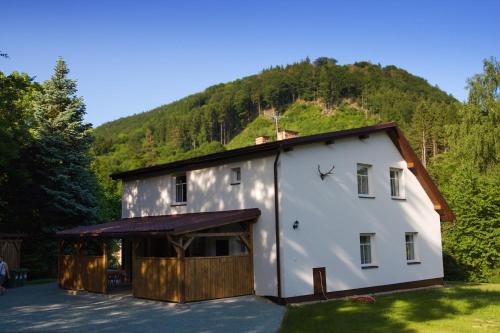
(277, 221)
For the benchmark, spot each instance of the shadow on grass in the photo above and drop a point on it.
(399, 312)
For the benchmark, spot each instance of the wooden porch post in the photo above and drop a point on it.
(59, 254)
(250, 253)
(104, 267)
(133, 264)
(181, 272)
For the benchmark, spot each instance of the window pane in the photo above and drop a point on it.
(236, 175)
(410, 246)
(395, 176)
(365, 249)
(362, 173)
(181, 188)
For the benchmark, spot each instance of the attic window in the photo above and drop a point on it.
(235, 176)
(180, 189)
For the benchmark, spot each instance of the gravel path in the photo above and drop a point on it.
(46, 308)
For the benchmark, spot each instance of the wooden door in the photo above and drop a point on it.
(319, 280)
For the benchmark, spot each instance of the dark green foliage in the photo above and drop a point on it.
(469, 176)
(45, 181)
(16, 92)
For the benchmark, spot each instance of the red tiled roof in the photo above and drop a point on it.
(172, 224)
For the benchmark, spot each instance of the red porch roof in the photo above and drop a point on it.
(163, 224)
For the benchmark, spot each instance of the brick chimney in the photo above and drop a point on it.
(262, 139)
(287, 134)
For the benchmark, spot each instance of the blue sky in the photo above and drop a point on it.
(131, 56)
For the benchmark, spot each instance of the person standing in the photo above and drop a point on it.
(4, 274)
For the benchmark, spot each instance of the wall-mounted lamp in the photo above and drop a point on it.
(295, 225)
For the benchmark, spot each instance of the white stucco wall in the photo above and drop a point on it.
(330, 213)
(210, 189)
(331, 217)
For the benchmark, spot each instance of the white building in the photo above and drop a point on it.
(341, 213)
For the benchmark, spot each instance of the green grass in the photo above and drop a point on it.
(307, 119)
(455, 309)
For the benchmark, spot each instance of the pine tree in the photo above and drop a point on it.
(64, 140)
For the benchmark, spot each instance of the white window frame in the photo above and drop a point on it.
(414, 244)
(399, 181)
(371, 247)
(184, 189)
(368, 180)
(235, 176)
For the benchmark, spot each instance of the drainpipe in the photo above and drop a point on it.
(277, 222)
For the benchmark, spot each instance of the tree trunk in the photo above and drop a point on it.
(434, 147)
(424, 152)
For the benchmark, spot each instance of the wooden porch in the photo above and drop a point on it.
(180, 275)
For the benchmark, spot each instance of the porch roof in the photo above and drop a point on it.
(163, 224)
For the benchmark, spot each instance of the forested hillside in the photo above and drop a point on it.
(321, 96)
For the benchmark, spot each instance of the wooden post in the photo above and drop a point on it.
(181, 271)
(59, 275)
(105, 267)
(250, 253)
(135, 244)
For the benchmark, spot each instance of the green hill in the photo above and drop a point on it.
(305, 118)
(312, 97)
(330, 96)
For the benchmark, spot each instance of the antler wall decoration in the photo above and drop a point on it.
(324, 174)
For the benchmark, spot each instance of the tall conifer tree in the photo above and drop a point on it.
(62, 155)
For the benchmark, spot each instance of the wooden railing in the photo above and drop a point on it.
(204, 278)
(217, 277)
(83, 273)
(156, 278)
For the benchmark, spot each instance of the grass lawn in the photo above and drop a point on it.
(457, 308)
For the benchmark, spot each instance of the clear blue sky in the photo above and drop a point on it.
(131, 56)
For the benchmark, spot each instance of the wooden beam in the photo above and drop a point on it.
(247, 243)
(410, 165)
(217, 234)
(188, 242)
(174, 243)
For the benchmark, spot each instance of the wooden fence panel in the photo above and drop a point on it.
(11, 252)
(83, 273)
(218, 277)
(156, 278)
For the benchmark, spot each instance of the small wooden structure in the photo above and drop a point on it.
(10, 249)
(177, 277)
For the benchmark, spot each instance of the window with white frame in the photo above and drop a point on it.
(235, 176)
(396, 180)
(410, 241)
(365, 247)
(363, 172)
(180, 188)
